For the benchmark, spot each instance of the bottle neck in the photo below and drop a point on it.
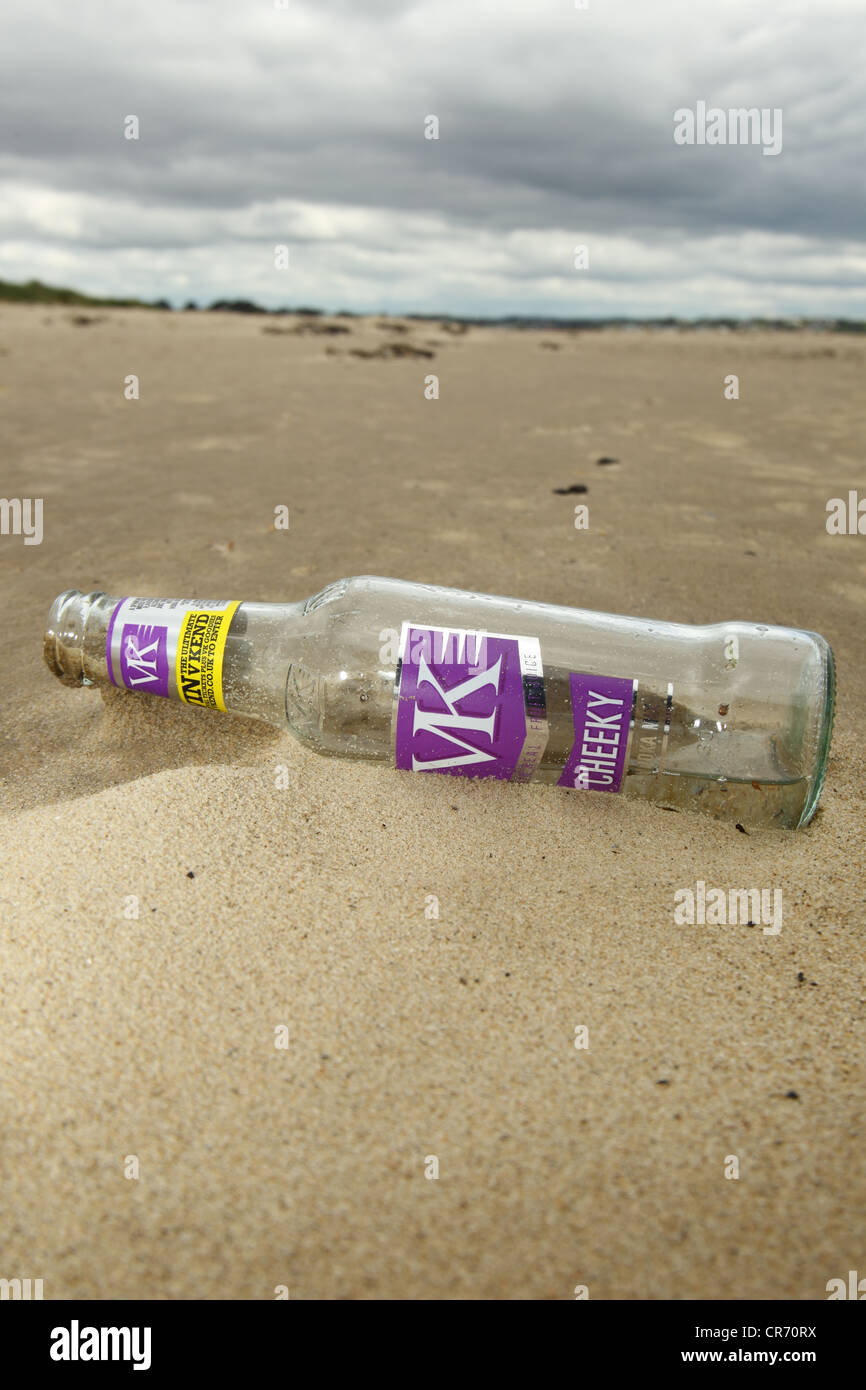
(221, 655)
(76, 635)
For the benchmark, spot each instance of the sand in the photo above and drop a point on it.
(307, 907)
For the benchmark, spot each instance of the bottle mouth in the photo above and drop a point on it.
(824, 736)
(63, 643)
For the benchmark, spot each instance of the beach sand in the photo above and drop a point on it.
(263, 906)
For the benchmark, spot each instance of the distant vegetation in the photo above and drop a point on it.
(35, 292)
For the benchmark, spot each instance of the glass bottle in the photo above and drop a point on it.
(732, 718)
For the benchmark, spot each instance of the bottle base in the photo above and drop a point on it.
(823, 737)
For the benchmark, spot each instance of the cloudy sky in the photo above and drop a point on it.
(302, 123)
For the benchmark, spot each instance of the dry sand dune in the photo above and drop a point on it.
(262, 906)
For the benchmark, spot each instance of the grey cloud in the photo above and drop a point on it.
(550, 118)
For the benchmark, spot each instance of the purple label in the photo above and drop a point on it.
(601, 709)
(460, 703)
(143, 658)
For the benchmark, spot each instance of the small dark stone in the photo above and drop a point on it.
(792, 1095)
(190, 874)
(575, 487)
(664, 1082)
(742, 829)
(605, 459)
(800, 976)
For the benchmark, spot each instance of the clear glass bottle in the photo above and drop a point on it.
(733, 718)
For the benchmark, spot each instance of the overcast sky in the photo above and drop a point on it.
(305, 126)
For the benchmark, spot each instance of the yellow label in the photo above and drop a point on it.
(200, 649)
